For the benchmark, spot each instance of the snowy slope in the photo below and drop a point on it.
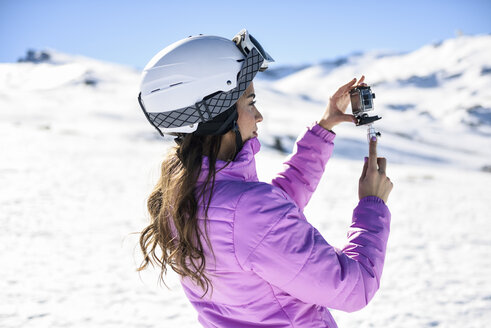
(435, 101)
(78, 159)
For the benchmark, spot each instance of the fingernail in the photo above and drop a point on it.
(374, 138)
(366, 159)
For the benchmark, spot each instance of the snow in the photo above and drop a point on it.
(78, 160)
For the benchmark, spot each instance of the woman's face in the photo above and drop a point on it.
(248, 114)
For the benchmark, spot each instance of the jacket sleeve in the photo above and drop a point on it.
(305, 166)
(287, 251)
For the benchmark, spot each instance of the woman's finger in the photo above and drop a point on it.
(359, 84)
(364, 170)
(372, 154)
(344, 88)
(382, 164)
(349, 118)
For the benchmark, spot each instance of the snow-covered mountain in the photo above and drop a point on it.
(78, 159)
(436, 98)
(445, 81)
(435, 101)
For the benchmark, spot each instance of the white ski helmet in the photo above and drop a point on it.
(194, 80)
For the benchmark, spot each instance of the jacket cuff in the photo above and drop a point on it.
(322, 133)
(371, 199)
(372, 212)
(375, 203)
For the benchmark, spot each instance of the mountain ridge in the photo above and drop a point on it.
(436, 97)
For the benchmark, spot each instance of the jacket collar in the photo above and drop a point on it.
(243, 168)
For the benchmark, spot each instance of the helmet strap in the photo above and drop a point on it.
(238, 138)
(225, 122)
(220, 125)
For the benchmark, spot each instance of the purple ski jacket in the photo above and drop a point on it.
(273, 268)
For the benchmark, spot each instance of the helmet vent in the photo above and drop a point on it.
(155, 90)
(173, 85)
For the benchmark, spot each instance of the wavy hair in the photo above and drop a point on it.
(174, 201)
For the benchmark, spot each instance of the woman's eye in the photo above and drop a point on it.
(253, 103)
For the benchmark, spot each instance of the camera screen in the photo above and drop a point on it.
(367, 100)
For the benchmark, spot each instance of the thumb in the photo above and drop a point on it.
(349, 118)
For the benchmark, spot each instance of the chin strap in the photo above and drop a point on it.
(238, 138)
(221, 124)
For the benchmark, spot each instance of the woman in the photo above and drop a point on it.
(246, 254)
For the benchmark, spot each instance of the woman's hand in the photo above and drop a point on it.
(373, 180)
(335, 112)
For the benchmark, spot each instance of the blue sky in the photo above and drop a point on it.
(293, 32)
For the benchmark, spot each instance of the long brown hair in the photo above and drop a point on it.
(175, 200)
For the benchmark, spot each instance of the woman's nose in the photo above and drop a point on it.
(258, 116)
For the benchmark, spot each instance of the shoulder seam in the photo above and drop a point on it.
(306, 260)
(272, 226)
(266, 234)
